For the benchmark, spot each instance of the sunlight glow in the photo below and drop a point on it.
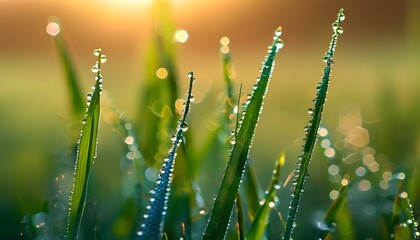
(53, 29)
(181, 36)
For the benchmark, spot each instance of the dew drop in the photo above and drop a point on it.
(310, 111)
(103, 59)
(53, 29)
(278, 31)
(342, 16)
(97, 52)
(95, 69)
(335, 26)
(339, 30)
(192, 98)
(184, 127)
(279, 44)
(324, 226)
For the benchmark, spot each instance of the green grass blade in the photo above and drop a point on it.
(240, 225)
(403, 222)
(328, 223)
(251, 191)
(222, 208)
(152, 227)
(86, 153)
(77, 102)
(312, 129)
(161, 89)
(259, 223)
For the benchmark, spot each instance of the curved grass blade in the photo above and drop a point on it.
(77, 101)
(403, 222)
(152, 227)
(301, 171)
(222, 208)
(259, 223)
(328, 223)
(86, 152)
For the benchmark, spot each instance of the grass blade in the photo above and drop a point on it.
(240, 225)
(259, 223)
(328, 223)
(77, 101)
(153, 220)
(86, 152)
(251, 191)
(403, 222)
(301, 171)
(222, 208)
(158, 97)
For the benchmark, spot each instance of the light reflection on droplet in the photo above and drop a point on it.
(387, 175)
(368, 159)
(224, 49)
(329, 152)
(374, 167)
(403, 195)
(224, 41)
(162, 73)
(325, 143)
(401, 176)
(333, 170)
(344, 182)
(322, 132)
(364, 185)
(129, 140)
(334, 194)
(151, 174)
(181, 36)
(383, 184)
(360, 171)
(53, 29)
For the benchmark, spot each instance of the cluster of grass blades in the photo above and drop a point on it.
(176, 196)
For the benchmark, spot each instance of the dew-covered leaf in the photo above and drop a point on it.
(301, 171)
(86, 152)
(152, 227)
(404, 225)
(259, 222)
(329, 222)
(222, 208)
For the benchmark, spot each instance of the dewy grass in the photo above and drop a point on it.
(301, 171)
(222, 208)
(152, 227)
(259, 223)
(86, 152)
(219, 217)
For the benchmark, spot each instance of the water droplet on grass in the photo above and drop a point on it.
(103, 58)
(95, 69)
(310, 111)
(184, 127)
(97, 52)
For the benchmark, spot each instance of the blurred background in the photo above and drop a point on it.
(371, 114)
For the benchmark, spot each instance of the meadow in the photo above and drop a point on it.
(93, 154)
